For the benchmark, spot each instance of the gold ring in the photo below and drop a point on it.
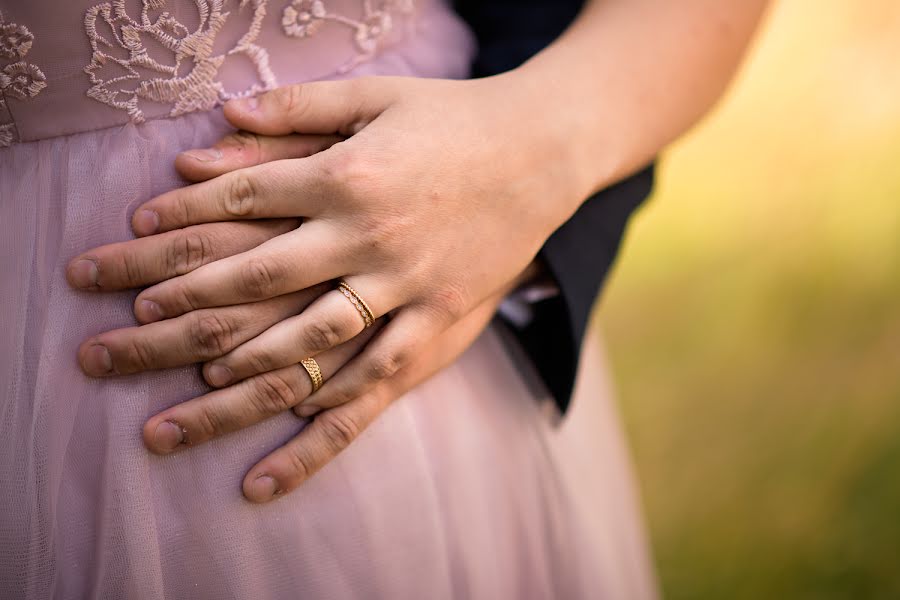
(353, 296)
(315, 373)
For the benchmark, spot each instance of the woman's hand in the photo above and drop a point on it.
(437, 200)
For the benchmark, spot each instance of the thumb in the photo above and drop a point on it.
(322, 107)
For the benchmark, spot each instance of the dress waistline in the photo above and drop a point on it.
(149, 59)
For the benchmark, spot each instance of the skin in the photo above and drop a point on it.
(429, 197)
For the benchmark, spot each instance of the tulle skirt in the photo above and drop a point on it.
(465, 488)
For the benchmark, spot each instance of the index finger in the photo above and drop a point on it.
(145, 261)
(282, 188)
(314, 447)
(294, 261)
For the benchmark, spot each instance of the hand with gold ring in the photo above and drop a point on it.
(422, 221)
(427, 197)
(436, 201)
(248, 402)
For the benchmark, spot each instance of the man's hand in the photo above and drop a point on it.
(331, 431)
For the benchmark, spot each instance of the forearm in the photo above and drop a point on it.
(632, 75)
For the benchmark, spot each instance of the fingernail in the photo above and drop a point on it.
(84, 273)
(307, 410)
(205, 154)
(97, 361)
(150, 312)
(168, 436)
(263, 488)
(146, 222)
(248, 104)
(218, 375)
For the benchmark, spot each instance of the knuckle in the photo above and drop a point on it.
(241, 195)
(209, 423)
(384, 365)
(185, 298)
(182, 207)
(384, 235)
(302, 463)
(450, 302)
(211, 334)
(320, 336)
(258, 279)
(295, 99)
(352, 171)
(188, 252)
(340, 428)
(273, 394)
(260, 361)
(139, 356)
(133, 270)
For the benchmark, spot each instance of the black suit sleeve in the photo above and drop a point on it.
(579, 255)
(581, 252)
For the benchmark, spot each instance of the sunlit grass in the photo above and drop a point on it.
(754, 322)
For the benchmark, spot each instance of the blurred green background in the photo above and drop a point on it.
(753, 322)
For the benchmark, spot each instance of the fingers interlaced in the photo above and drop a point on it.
(399, 344)
(247, 403)
(145, 261)
(284, 188)
(328, 322)
(293, 261)
(336, 428)
(195, 337)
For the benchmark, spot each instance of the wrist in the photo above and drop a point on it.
(543, 142)
(572, 129)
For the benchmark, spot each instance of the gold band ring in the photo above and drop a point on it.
(315, 373)
(353, 296)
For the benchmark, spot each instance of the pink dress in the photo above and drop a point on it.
(465, 488)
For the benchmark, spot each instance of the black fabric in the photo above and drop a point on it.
(579, 255)
(581, 252)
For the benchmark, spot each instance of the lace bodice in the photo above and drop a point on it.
(78, 65)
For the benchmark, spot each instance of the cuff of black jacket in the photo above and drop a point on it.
(579, 256)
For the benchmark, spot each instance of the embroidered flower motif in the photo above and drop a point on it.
(187, 78)
(20, 80)
(25, 81)
(15, 41)
(302, 18)
(368, 33)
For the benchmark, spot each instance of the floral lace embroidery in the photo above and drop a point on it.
(18, 79)
(189, 82)
(124, 75)
(304, 18)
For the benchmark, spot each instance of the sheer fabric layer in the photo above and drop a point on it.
(463, 489)
(75, 66)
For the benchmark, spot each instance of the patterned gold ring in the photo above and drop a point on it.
(315, 373)
(353, 296)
